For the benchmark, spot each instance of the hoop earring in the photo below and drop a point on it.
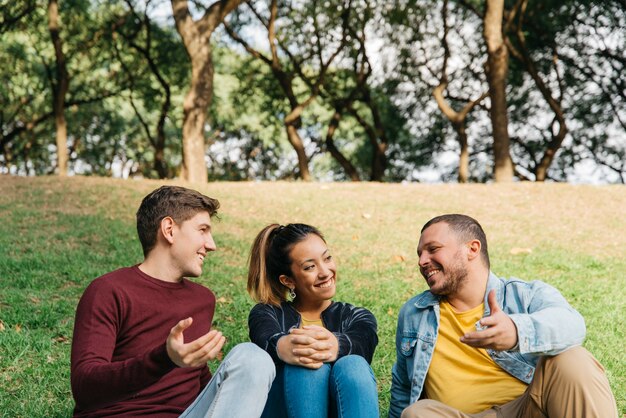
(292, 293)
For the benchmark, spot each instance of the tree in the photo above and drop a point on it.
(496, 71)
(36, 75)
(439, 55)
(458, 119)
(151, 78)
(60, 86)
(196, 37)
(289, 67)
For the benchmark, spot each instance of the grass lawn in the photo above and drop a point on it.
(57, 235)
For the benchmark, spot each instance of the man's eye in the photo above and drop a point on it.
(307, 268)
(330, 257)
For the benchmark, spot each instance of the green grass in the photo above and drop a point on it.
(57, 235)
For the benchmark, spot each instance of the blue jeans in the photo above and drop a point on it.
(345, 389)
(238, 388)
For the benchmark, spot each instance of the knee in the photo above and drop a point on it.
(353, 369)
(292, 372)
(576, 365)
(424, 408)
(250, 357)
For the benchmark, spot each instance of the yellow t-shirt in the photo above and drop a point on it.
(464, 377)
(310, 322)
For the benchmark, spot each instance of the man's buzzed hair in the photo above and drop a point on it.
(466, 228)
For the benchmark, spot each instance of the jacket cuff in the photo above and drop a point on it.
(345, 344)
(525, 331)
(272, 346)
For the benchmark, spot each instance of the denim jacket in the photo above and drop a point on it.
(354, 327)
(546, 325)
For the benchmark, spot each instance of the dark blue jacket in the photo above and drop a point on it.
(354, 327)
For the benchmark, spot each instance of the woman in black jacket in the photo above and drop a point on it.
(322, 348)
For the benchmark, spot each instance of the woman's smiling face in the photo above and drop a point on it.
(313, 270)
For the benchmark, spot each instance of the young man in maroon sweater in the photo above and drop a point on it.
(142, 336)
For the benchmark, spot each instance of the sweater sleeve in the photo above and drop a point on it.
(358, 334)
(96, 379)
(266, 329)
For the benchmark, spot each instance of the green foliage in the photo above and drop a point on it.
(129, 73)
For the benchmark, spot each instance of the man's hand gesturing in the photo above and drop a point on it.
(501, 332)
(194, 353)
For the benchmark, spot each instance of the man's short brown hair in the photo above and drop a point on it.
(177, 202)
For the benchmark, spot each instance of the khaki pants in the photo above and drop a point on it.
(569, 385)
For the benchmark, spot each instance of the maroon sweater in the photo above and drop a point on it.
(120, 366)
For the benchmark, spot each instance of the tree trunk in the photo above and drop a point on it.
(334, 151)
(496, 71)
(379, 140)
(379, 148)
(298, 146)
(379, 161)
(197, 40)
(464, 154)
(541, 171)
(197, 101)
(457, 119)
(59, 89)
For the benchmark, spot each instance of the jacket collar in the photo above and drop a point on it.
(494, 282)
(426, 299)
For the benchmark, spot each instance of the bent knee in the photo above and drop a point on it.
(423, 408)
(351, 360)
(575, 364)
(252, 357)
(353, 368)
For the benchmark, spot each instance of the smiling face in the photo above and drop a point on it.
(313, 271)
(442, 259)
(192, 241)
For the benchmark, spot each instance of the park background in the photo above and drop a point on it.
(283, 111)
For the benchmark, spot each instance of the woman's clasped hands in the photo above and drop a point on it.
(310, 346)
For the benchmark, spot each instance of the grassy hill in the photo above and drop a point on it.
(56, 235)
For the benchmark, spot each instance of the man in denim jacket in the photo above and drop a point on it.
(476, 345)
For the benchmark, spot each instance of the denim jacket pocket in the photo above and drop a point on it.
(408, 343)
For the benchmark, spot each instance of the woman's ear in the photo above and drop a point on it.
(287, 281)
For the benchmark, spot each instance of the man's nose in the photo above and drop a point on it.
(423, 259)
(209, 243)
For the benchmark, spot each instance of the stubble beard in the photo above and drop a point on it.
(456, 276)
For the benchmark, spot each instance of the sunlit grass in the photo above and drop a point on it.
(57, 235)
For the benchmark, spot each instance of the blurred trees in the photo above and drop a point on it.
(472, 90)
